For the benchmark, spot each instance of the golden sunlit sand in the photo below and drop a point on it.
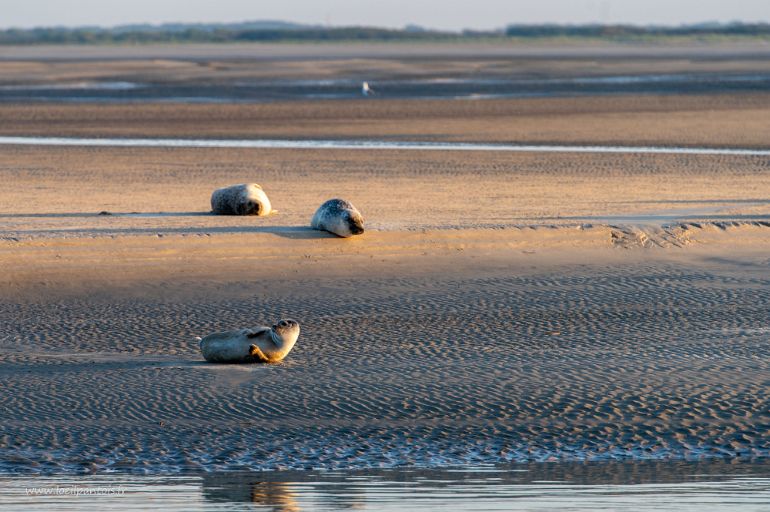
(499, 306)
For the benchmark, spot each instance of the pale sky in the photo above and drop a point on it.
(440, 14)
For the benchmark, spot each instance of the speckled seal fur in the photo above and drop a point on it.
(255, 345)
(339, 217)
(244, 199)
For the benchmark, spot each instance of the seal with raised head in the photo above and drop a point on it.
(244, 199)
(339, 217)
(256, 345)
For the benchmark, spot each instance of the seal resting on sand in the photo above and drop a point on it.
(255, 345)
(339, 217)
(244, 199)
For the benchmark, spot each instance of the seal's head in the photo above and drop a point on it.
(287, 331)
(249, 207)
(339, 217)
(253, 200)
(354, 221)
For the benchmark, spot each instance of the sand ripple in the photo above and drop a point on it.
(654, 361)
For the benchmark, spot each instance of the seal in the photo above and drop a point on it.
(244, 199)
(256, 345)
(339, 217)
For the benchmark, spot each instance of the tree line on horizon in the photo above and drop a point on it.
(282, 31)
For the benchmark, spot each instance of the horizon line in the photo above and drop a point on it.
(416, 27)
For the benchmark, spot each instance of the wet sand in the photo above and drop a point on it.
(205, 63)
(668, 120)
(459, 354)
(499, 308)
(245, 74)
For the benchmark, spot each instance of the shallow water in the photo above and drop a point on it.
(697, 486)
(72, 86)
(448, 87)
(372, 144)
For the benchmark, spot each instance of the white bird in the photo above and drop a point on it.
(366, 90)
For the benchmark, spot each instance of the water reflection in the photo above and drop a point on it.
(581, 486)
(277, 496)
(697, 486)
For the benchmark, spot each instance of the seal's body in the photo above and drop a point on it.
(255, 345)
(339, 217)
(244, 199)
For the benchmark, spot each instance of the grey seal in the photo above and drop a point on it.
(255, 345)
(244, 199)
(339, 217)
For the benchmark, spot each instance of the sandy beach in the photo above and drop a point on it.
(499, 308)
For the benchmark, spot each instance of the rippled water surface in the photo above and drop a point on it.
(698, 486)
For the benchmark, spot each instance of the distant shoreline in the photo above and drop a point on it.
(279, 32)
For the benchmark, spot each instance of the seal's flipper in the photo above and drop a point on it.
(254, 351)
(253, 333)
